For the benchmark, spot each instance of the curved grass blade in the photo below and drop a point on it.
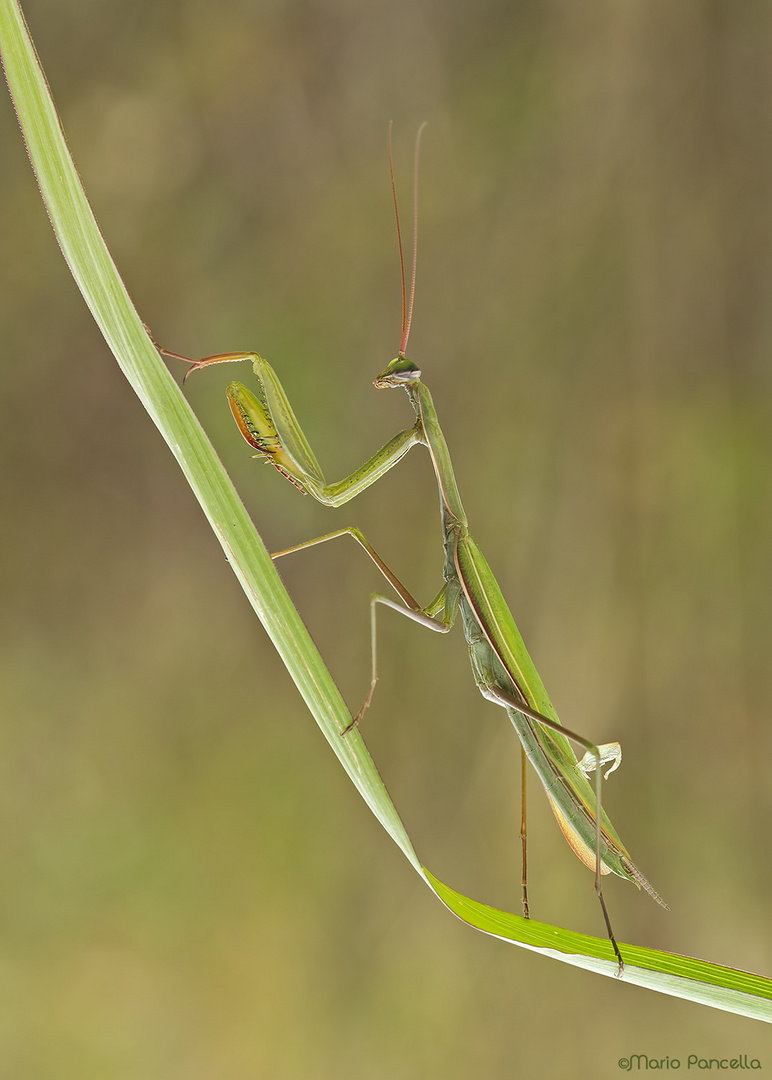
(680, 976)
(105, 294)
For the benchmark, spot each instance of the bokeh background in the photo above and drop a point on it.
(191, 887)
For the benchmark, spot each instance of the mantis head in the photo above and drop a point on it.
(400, 372)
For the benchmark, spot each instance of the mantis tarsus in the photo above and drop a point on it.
(502, 668)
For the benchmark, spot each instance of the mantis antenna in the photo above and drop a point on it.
(407, 307)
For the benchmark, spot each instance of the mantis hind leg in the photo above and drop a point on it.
(593, 760)
(418, 615)
(524, 830)
(409, 606)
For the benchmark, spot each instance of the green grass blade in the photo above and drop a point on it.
(104, 292)
(98, 279)
(680, 976)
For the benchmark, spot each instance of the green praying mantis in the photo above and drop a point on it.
(501, 666)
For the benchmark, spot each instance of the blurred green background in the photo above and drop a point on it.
(191, 887)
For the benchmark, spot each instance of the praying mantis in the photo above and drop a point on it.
(501, 666)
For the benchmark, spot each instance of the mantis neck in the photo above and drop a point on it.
(450, 501)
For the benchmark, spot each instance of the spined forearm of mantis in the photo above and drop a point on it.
(501, 665)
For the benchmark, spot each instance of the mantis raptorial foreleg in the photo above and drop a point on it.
(268, 424)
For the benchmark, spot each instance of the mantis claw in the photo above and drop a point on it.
(354, 724)
(364, 708)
